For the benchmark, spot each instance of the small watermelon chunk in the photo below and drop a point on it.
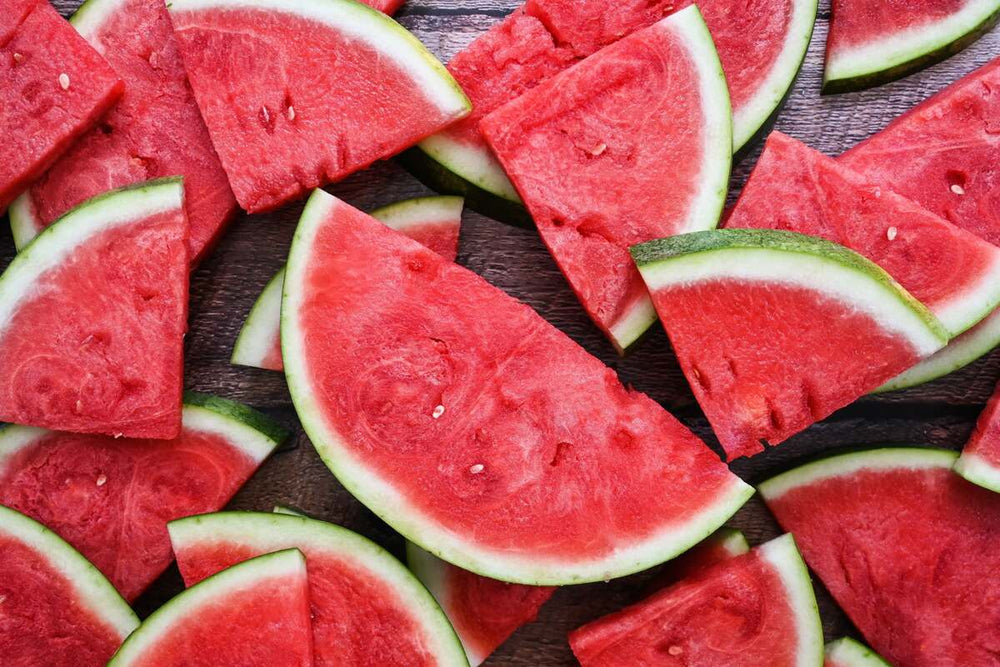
(54, 88)
(367, 609)
(389, 7)
(755, 609)
(57, 609)
(775, 330)
(254, 614)
(93, 315)
(112, 498)
(846, 652)
(300, 94)
(475, 428)
(587, 155)
(980, 459)
(906, 547)
(721, 545)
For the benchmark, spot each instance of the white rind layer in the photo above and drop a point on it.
(973, 304)
(261, 330)
(421, 211)
(784, 557)
(845, 652)
(474, 163)
(979, 471)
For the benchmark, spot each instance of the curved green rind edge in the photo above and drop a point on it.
(731, 539)
(783, 554)
(414, 203)
(849, 652)
(978, 470)
(239, 412)
(256, 321)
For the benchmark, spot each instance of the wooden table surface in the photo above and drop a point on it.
(224, 287)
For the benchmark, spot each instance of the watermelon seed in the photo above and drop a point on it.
(476, 469)
(18, 57)
(598, 149)
(438, 411)
(291, 113)
(890, 233)
(102, 480)
(958, 189)
(675, 650)
(64, 81)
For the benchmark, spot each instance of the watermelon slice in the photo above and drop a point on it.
(721, 545)
(905, 546)
(111, 498)
(155, 131)
(586, 154)
(93, 315)
(58, 610)
(434, 221)
(846, 652)
(775, 330)
(951, 271)
(54, 88)
(313, 90)
(254, 613)
(367, 609)
(754, 609)
(980, 459)
(472, 426)
(389, 7)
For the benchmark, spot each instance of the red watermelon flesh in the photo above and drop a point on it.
(55, 87)
(389, 7)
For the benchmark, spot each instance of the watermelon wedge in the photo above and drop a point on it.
(253, 614)
(483, 611)
(586, 154)
(951, 271)
(54, 88)
(905, 546)
(433, 221)
(980, 459)
(721, 545)
(93, 315)
(846, 652)
(314, 90)
(155, 131)
(754, 609)
(472, 426)
(58, 610)
(775, 330)
(112, 498)
(367, 609)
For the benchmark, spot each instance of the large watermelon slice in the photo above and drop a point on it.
(112, 498)
(906, 546)
(434, 221)
(980, 459)
(367, 609)
(155, 131)
(775, 330)
(847, 652)
(53, 88)
(754, 609)
(951, 271)
(93, 315)
(299, 94)
(57, 609)
(471, 425)
(254, 614)
(586, 150)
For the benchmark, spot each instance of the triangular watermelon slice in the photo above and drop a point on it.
(112, 498)
(300, 94)
(434, 221)
(254, 613)
(471, 425)
(155, 131)
(93, 315)
(586, 151)
(847, 652)
(57, 609)
(775, 330)
(754, 609)
(980, 459)
(906, 546)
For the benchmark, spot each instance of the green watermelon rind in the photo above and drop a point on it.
(783, 555)
(408, 213)
(261, 529)
(978, 470)
(847, 652)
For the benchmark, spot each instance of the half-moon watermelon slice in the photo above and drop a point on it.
(93, 314)
(254, 614)
(472, 426)
(433, 221)
(300, 94)
(112, 498)
(586, 150)
(775, 330)
(847, 652)
(58, 610)
(754, 609)
(980, 459)
(906, 546)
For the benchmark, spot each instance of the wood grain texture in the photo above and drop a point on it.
(224, 287)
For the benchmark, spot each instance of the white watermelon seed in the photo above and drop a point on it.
(438, 411)
(102, 480)
(291, 113)
(266, 114)
(476, 469)
(64, 81)
(958, 189)
(890, 233)
(675, 650)
(18, 57)
(2, 598)
(598, 149)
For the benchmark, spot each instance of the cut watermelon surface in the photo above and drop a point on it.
(471, 425)
(112, 498)
(93, 315)
(775, 330)
(54, 88)
(58, 610)
(254, 614)
(951, 271)
(586, 150)
(905, 546)
(433, 221)
(723, 544)
(367, 609)
(754, 609)
(297, 95)
(980, 459)
(154, 131)
(846, 652)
